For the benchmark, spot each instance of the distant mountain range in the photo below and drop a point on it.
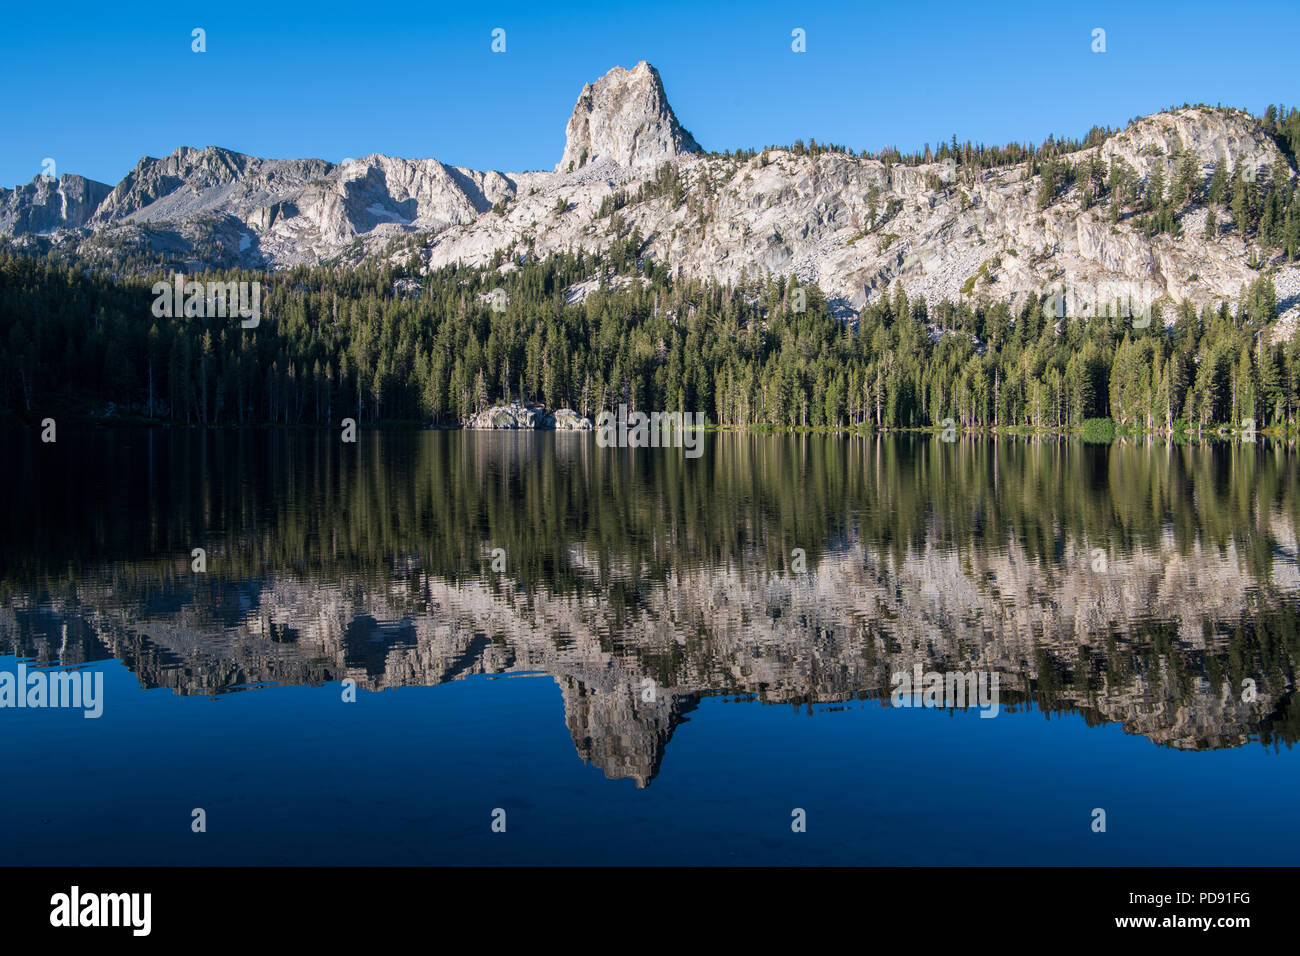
(854, 225)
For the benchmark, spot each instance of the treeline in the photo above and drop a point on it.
(371, 344)
(1279, 122)
(973, 155)
(1264, 207)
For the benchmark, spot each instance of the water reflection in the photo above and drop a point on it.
(1145, 583)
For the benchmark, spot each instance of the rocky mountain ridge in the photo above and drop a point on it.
(624, 119)
(856, 226)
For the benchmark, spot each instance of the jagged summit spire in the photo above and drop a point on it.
(624, 117)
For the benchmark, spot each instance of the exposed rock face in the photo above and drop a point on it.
(566, 419)
(510, 417)
(624, 118)
(46, 204)
(230, 209)
(1211, 135)
(515, 415)
(969, 235)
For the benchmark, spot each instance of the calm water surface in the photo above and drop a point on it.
(643, 658)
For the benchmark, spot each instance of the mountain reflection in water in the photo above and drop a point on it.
(1140, 583)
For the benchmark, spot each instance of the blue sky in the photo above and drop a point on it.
(96, 86)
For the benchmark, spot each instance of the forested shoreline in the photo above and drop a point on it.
(382, 346)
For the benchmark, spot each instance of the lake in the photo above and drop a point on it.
(513, 647)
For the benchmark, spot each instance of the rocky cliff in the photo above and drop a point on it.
(48, 204)
(624, 119)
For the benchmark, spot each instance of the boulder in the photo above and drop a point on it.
(566, 419)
